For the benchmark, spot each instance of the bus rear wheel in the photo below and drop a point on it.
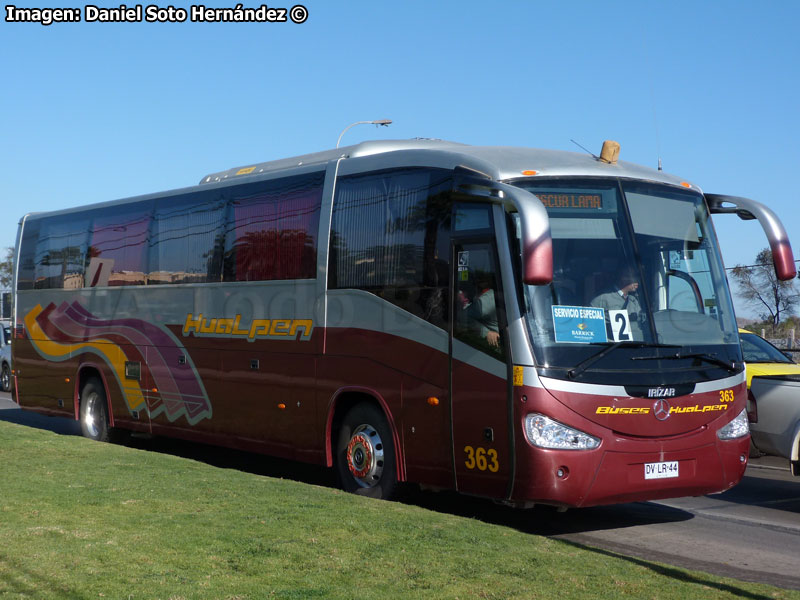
(365, 454)
(94, 411)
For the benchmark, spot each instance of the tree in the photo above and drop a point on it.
(760, 288)
(5, 269)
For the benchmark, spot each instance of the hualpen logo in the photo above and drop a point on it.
(281, 329)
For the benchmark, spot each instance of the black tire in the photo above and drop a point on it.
(94, 411)
(6, 378)
(365, 455)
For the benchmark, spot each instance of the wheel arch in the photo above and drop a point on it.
(346, 398)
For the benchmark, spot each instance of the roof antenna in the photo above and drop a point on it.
(655, 119)
(584, 149)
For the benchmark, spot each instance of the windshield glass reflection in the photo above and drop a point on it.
(633, 262)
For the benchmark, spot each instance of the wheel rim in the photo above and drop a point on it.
(6, 379)
(90, 416)
(365, 456)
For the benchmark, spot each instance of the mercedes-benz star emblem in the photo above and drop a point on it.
(661, 409)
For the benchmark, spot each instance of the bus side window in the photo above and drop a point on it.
(476, 321)
(183, 238)
(26, 267)
(60, 252)
(271, 231)
(390, 236)
(119, 244)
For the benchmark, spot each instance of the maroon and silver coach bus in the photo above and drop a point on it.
(520, 324)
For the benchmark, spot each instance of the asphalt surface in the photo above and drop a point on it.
(750, 533)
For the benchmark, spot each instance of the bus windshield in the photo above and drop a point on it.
(636, 266)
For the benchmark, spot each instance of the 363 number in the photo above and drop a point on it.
(726, 396)
(481, 459)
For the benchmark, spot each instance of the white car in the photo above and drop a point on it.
(5, 356)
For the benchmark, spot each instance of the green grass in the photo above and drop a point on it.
(85, 520)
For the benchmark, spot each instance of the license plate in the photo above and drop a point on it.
(661, 470)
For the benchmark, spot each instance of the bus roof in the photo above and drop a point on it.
(498, 162)
(501, 163)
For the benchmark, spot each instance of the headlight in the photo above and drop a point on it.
(736, 428)
(543, 432)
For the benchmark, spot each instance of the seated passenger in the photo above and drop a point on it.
(482, 312)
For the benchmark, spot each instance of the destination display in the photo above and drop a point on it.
(571, 200)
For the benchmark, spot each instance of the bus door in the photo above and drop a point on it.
(478, 369)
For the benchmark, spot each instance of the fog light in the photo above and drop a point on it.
(562, 473)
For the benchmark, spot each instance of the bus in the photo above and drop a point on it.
(525, 325)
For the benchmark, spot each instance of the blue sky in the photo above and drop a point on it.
(96, 111)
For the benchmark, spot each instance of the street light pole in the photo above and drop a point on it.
(383, 122)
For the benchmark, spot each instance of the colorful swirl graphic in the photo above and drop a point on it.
(169, 382)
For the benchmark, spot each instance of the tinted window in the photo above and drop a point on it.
(185, 239)
(477, 292)
(254, 232)
(390, 236)
(118, 247)
(757, 349)
(273, 228)
(26, 269)
(472, 217)
(60, 252)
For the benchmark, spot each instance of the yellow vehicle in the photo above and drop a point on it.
(763, 359)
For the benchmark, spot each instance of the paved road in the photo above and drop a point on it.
(751, 532)
(9, 411)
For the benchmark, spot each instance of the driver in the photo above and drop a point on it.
(624, 298)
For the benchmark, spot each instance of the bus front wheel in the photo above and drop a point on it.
(365, 454)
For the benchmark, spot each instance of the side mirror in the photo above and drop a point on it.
(536, 242)
(782, 255)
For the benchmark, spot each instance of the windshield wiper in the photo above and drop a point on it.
(588, 362)
(728, 365)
